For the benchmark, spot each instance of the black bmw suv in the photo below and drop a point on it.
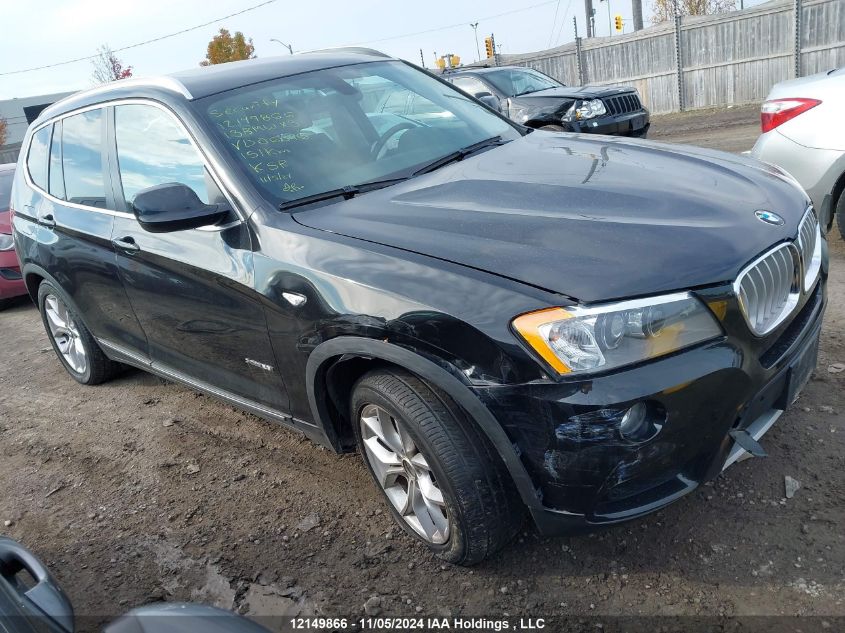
(535, 100)
(497, 318)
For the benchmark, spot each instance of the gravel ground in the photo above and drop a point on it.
(139, 491)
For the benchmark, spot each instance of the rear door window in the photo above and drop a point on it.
(36, 159)
(82, 159)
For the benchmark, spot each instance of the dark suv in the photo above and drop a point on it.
(536, 100)
(498, 318)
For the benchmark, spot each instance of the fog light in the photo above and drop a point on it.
(633, 422)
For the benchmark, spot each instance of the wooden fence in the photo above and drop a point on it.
(718, 60)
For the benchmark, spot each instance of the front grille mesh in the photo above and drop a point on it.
(808, 236)
(768, 289)
(623, 104)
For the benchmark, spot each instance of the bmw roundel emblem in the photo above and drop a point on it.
(769, 218)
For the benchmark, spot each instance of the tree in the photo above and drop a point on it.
(107, 67)
(665, 9)
(225, 47)
(4, 131)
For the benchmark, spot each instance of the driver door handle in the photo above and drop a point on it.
(127, 244)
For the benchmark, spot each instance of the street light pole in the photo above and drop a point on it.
(287, 46)
(474, 26)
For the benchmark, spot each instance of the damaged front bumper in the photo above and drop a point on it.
(709, 404)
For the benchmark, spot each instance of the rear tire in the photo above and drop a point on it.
(74, 345)
(427, 445)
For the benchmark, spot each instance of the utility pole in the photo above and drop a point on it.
(609, 25)
(589, 12)
(422, 59)
(474, 26)
(287, 46)
(637, 9)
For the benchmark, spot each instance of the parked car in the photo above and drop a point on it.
(802, 133)
(11, 282)
(31, 601)
(531, 98)
(498, 318)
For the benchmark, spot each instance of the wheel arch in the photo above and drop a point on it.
(335, 365)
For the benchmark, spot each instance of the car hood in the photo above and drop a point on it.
(575, 92)
(590, 217)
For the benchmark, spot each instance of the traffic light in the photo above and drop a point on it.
(455, 61)
(488, 46)
(618, 19)
(441, 63)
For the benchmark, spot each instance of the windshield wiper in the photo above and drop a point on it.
(347, 192)
(460, 154)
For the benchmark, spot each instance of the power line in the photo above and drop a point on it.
(144, 43)
(554, 23)
(452, 26)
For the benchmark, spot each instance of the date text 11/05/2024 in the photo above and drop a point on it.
(468, 624)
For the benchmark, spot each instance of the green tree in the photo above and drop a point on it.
(225, 47)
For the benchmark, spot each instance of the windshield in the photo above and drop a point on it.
(6, 178)
(519, 81)
(303, 135)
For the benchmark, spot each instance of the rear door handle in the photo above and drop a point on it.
(47, 220)
(127, 244)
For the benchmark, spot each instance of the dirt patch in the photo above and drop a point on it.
(159, 493)
(729, 129)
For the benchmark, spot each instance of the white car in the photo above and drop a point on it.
(804, 134)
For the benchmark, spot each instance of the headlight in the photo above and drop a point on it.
(6, 242)
(580, 339)
(586, 110)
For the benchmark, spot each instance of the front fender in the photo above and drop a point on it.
(323, 356)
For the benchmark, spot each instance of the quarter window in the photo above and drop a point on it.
(36, 160)
(57, 181)
(152, 149)
(82, 158)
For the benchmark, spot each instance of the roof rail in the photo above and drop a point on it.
(351, 49)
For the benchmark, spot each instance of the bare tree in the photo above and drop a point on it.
(663, 10)
(4, 131)
(107, 67)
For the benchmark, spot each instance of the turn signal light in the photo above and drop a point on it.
(778, 111)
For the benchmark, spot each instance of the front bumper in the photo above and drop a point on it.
(11, 283)
(628, 124)
(586, 474)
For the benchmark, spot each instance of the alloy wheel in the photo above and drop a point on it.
(404, 474)
(65, 333)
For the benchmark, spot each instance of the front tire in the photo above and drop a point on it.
(442, 480)
(73, 343)
(840, 214)
(553, 128)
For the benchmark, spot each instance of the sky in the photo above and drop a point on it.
(41, 32)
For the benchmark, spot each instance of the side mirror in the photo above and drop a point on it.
(488, 99)
(174, 207)
(46, 594)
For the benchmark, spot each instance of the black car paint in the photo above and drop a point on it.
(442, 306)
(548, 107)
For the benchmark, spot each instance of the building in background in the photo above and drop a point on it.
(19, 113)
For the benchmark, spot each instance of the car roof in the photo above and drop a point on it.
(484, 69)
(203, 81)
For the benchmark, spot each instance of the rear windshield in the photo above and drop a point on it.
(6, 178)
(316, 132)
(520, 81)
